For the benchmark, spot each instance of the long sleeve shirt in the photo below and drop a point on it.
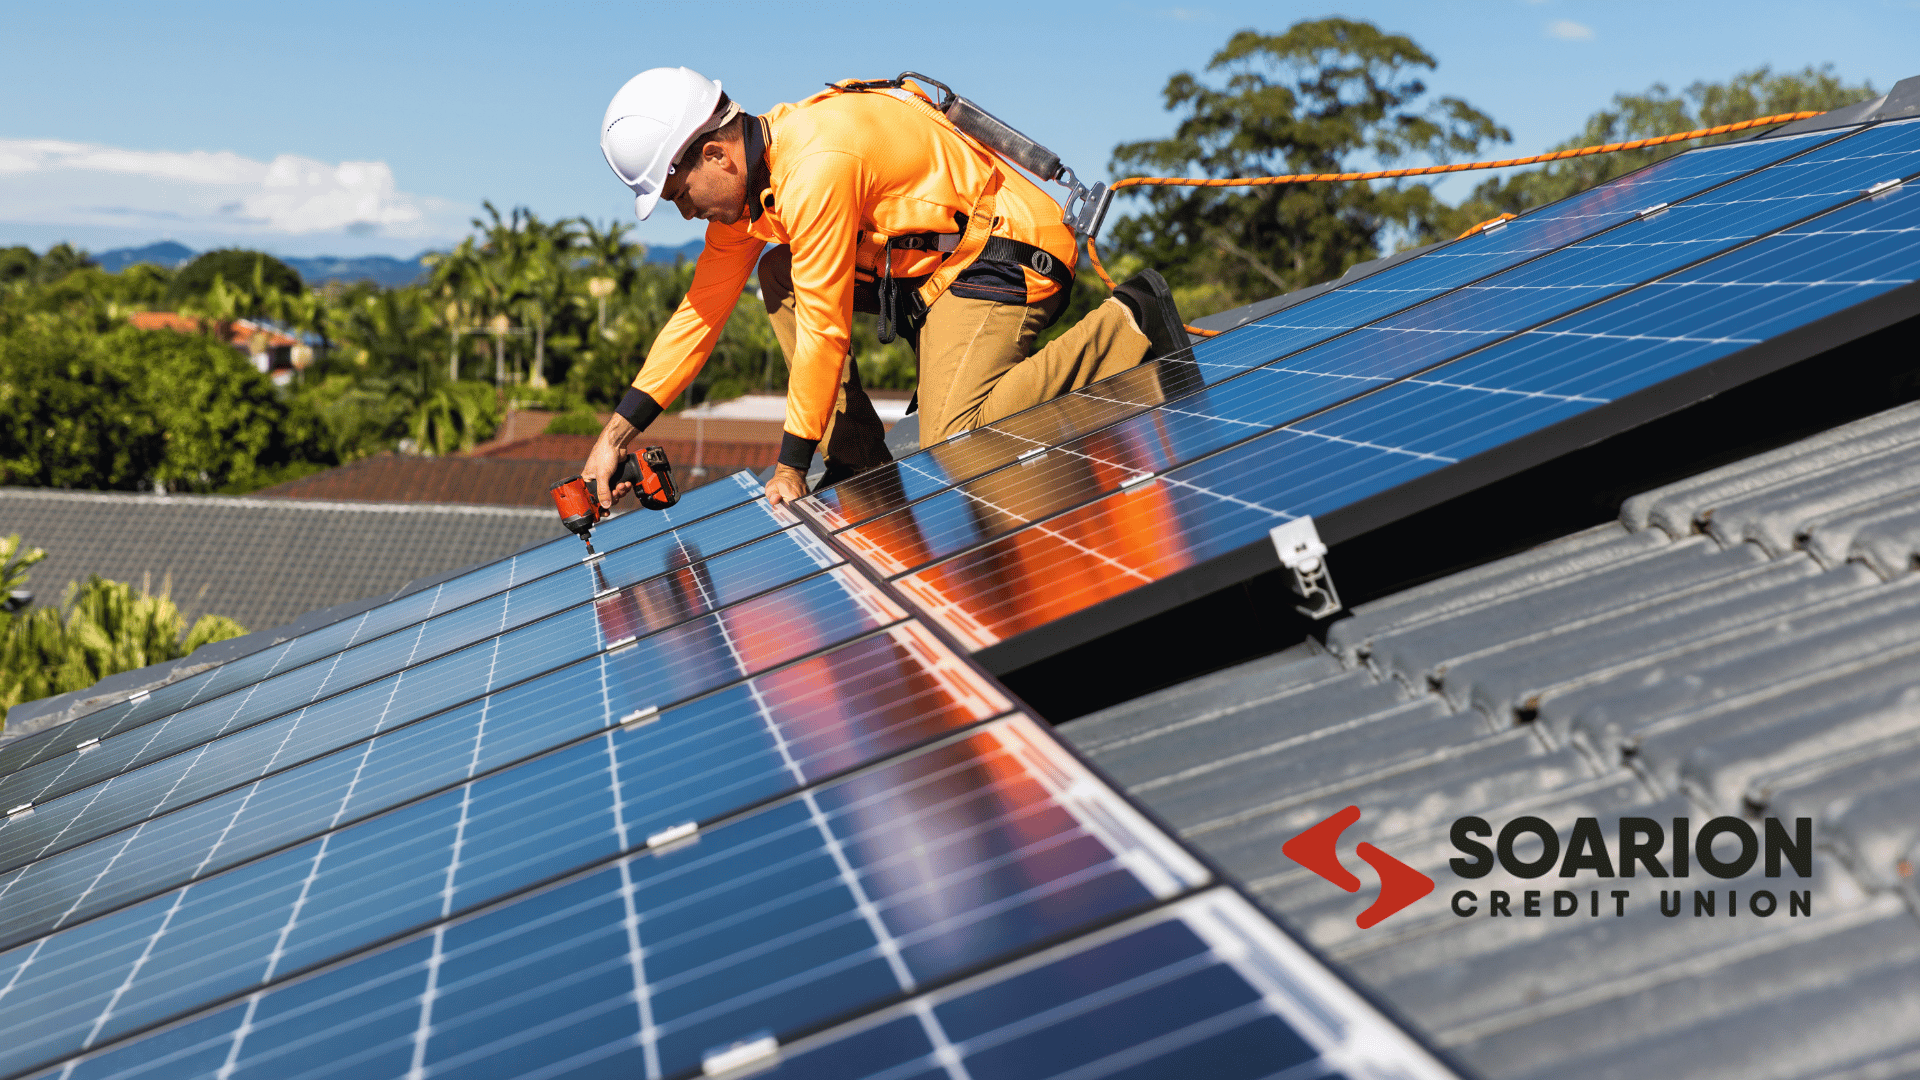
(844, 172)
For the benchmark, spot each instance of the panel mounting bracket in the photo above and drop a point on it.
(1298, 544)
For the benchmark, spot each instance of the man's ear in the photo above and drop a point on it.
(715, 153)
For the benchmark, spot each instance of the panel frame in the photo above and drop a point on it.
(1221, 878)
(1366, 515)
(823, 518)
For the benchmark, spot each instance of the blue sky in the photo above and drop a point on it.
(353, 128)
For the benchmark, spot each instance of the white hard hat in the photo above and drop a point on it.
(650, 123)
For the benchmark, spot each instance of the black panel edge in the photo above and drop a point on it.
(1091, 623)
(1422, 493)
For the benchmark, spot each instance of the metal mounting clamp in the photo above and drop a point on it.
(1305, 557)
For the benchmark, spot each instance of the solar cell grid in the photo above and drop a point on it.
(557, 555)
(1330, 461)
(469, 845)
(688, 653)
(848, 894)
(888, 489)
(655, 562)
(1203, 988)
(1373, 356)
(836, 710)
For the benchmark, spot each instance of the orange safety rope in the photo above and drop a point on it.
(1429, 170)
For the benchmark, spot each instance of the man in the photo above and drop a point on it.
(876, 203)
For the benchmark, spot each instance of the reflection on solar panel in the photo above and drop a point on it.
(1350, 306)
(551, 557)
(1482, 378)
(649, 816)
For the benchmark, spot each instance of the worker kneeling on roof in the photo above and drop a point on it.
(878, 204)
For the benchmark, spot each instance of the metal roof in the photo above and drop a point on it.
(1745, 642)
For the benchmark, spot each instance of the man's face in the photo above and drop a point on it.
(714, 189)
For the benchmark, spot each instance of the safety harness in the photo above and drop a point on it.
(978, 264)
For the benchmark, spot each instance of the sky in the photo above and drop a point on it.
(358, 128)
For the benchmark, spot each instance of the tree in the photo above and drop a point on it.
(75, 417)
(19, 266)
(102, 628)
(393, 337)
(120, 408)
(240, 270)
(1328, 95)
(1658, 111)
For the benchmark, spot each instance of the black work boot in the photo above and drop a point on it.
(1146, 294)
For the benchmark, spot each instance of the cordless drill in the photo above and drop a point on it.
(578, 500)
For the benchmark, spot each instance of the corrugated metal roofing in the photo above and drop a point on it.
(1744, 643)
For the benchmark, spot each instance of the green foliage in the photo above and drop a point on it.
(236, 268)
(359, 415)
(1325, 96)
(19, 266)
(1659, 111)
(125, 408)
(14, 563)
(450, 416)
(104, 627)
(579, 422)
(882, 367)
(75, 419)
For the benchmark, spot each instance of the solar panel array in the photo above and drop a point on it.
(710, 802)
(1374, 386)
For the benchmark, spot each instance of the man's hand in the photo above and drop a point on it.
(788, 483)
(605, 458)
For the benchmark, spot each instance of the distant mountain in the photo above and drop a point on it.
(166, 253)
(381, 269)
(689, 250)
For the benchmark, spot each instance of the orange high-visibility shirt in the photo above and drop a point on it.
(845, 171)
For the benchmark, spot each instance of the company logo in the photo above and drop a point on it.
(1400, 884)
(1728, 848)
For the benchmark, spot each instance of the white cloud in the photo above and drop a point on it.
(1568, 30)
(48, 183)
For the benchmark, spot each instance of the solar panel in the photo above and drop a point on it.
(1373, 355)
(686, 659)
(611, 600)
(1321, 432)
(1203, 988)
(555, 556)
(794, 913)
(1348, 306)
(412, 859)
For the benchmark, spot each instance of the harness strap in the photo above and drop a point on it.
(979, 216)
(1000, 249)
(759, 177)
(1004, 249)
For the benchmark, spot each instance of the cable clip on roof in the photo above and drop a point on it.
(1305, 557)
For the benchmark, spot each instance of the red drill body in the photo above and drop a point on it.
(578, 500)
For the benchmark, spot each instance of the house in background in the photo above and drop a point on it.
(274, 352)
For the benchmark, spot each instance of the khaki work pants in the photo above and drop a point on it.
(977, 363)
